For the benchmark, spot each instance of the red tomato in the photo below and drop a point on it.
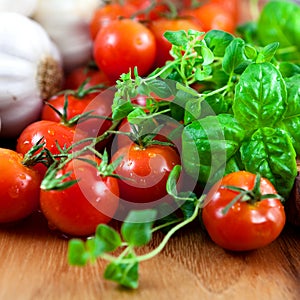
(76, 77)
(246, 225)
(51, 133)
(158, 27)
(123, 45)
(76, 106)
(212, 16)
(78, 210)
(107, 13)
(20, 187)
(98, 104)
(145, 170)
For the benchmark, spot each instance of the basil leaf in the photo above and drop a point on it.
(270, 152)
(235, 60)
(208, 143)
(260, 97)
(291, 121)
(279, 21)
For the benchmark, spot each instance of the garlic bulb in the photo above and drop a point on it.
(67, 22)
(24, 7)
(30, 71)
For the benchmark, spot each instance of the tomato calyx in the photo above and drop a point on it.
(34, 156)
(250, 196)
(77, 118)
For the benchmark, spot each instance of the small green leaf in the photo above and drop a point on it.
(172, 180)
(177, 38)
(77, 254)
(217, 41)
(136, 229)
(250, 51)
(121, 109)
(106, 239)
(136, 116)
(125, 274)
(267, 53)
(208, 56)
(160, 88)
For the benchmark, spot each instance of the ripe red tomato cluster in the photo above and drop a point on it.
(125, 36)
(130, 35)
(95, 196)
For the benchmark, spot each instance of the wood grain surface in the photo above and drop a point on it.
(34, 266)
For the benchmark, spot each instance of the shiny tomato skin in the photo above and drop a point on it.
(20, 187)
(159, 27)
(51, 133)
(123, 45)
(104, 15)
(78, 76)
(76, 106)
(77, 210)
(145, 170)
(245, 226)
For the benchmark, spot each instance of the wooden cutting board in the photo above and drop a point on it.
(34, 266)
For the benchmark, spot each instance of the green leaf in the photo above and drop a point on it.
(77, 254)
(288, 69)
(207, 55)
(218, 41)
(291, 121)
(121, 108)
(279, 21)
(250, 51)
(125, 274)
(136, 116)
(160, 88)
(106, 239)
(137, 227)
(171, 185)
(270, 152)
(260, 98)
(177, 38)
(208, 143)
(267, 53)
(235, 60)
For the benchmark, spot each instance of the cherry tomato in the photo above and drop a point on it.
(123, 45)
(98, 105)
(77, 210)
(20, 187)
(51, 133)
(158, 27)
(246, 225)
(146, 170)
(92, 75)
(212, 16)
(107, 13)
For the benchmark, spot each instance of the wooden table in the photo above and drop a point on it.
(34, 266)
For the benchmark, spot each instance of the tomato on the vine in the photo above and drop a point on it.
(144, 171)
(49, 132)
(123, 45)
(239, 213)
(92, 109)
(78, 209)
(20, 187)
(159, 27)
